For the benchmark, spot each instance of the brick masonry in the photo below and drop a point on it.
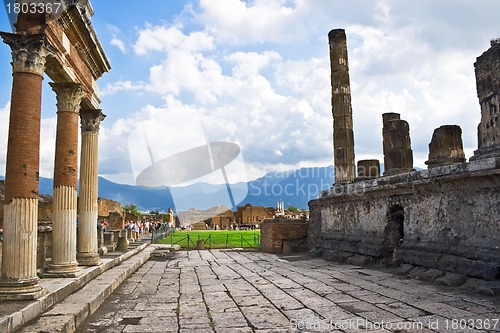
(273, 232)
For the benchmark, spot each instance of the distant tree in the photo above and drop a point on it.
(292, 209)
(154, 212)
(132, 209)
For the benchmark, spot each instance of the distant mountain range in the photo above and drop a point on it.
(295, 188)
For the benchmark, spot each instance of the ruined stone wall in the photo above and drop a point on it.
(273, 232)
(112, 212)
(446, 218)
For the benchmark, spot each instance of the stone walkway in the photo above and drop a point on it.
(238, 292)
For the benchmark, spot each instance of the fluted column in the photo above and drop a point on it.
(18, 278)
(64, 263)
(87, 206)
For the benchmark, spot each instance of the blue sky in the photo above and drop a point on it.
(256, 73)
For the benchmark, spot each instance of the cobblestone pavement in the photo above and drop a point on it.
(239, 292)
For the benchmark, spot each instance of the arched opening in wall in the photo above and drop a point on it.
(394, 230)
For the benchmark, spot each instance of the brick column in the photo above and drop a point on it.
(18, 278)
(87, 206)
(343, 135)
(64, 264)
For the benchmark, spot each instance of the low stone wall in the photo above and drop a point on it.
(446, 218)
(273, 232)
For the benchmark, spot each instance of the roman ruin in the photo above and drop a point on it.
(343, 135)
(446, 146)
(398, 156)
(444, 218)
(67, 49)
(87, 253)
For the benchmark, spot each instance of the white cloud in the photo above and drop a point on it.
(240, 22)
(168, 38)
(115, 39)
(257, 72)
(117, 86)
(4, 132)
(47, 142)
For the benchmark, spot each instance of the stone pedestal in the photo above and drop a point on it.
(398, 156)
(446, 146)
(18, 279)
(368, 169)
(44, 242)
(343, 135)
(88, 209)
(122, 244)
(487, 69)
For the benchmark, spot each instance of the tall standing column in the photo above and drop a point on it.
(487, 68)
(343, 135)
(87, 206)
(64, 263)
(18, 279)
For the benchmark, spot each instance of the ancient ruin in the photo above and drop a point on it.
(67, 49)
(398, 156)
(343, 135)
(445, 218)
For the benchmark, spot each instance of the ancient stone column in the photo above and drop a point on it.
(64, 264)
(88, 254)
(343, 135)
(18, 278)
(446, 146)
(398, 156)
(487, 69)
(368, 169)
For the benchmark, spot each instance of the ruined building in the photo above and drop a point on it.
(445, 218)
(67, 49)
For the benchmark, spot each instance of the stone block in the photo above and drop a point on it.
(416, 272)
(431, 274)
(451, 280)
(109, 238)
(360, 260)
(404, 269)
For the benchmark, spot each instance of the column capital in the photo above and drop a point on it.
(91, 119)
(69, 95)
(28, 52)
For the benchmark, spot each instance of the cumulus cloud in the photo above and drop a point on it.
(47, 139)
(257, 73)
(115, 38)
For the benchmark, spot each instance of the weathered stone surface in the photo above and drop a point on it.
(368, 169)
(446, 146)
(398, 156)
(368, 217)
(431, 274)
(451, 279)
(404, 269)
(487, 69)
(343, 135)
(359, 260)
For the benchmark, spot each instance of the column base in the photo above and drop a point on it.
(488, 152)
(62, 271)
(21, 291)
(88, 259)
(398, 171)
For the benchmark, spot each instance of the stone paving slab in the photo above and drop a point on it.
(17, 313)
(220, 291)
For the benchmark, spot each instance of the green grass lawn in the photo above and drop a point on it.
(215, 238)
